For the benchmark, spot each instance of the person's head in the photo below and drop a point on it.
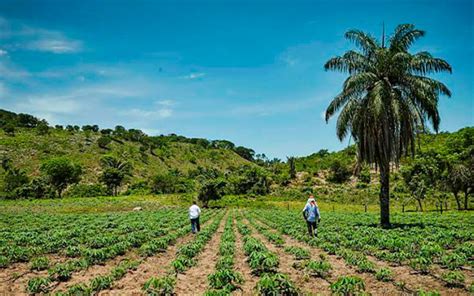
(194, 202)
(311, 199)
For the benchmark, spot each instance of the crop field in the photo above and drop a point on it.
(237, 252)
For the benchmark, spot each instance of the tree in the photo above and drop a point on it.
(42, 128)
(104, 141)
(212, 190)
(13, 178)
(291, 164)
(456, 177)
(61, 172)
(9, 129)
(246, 153)
(386, 96)
(339, 173)
(114, 172)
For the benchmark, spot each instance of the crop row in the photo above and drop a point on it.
(185, 258)
(225, 279)
(73, 238)
(63, 271)
(265, 264)
(287, 223)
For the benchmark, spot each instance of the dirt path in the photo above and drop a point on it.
(156, 266)
(194, 280)
(242, 266)
(308, 287)
(13, 280)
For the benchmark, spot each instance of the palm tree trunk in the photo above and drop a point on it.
(458, 202)
(384, 195)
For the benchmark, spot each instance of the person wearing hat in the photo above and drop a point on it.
(312, 216)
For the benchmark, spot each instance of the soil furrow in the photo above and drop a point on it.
(242, 266)
(194, 280)
(340, 268)
(158, 265)
(308, 286)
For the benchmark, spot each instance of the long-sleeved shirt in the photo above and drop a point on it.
(311, 212)
(194, 212)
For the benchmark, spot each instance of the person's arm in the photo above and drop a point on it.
(304, 211)
(317, 213)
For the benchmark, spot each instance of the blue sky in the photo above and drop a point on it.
(247, 71)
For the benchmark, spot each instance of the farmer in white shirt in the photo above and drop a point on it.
(194, 213)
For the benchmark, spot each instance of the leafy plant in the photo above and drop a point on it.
(276, 284)
(454, 278)
(39, 263)
(384, 275)
(38, 285)
(160, 286)
(348, 285)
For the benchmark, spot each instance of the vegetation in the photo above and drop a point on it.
(386, 97)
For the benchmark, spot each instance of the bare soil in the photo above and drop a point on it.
(156, 266)
(194, 280)
(340, 268)
(242, 266)
(13, 279)
(308, 285)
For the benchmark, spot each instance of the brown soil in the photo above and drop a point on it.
(13, 279)
(85, 275)
(340, 268)
(194, 280)
(308, 286)
(401, 274)
(414, 280)
(242, 266)
(156, 266)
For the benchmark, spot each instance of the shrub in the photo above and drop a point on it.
(104, 141)
(318, 268)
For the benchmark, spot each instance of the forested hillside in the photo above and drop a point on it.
(120, 161)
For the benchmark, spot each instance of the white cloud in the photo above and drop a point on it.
(151, 114)
(165, 102)
(194, 75)
(49, 105)
(3, 52)
(18, 36)
(58, 46)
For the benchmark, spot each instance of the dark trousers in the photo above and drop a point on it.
(195, 226)
(312, 228)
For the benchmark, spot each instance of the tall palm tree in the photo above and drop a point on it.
(385, 98)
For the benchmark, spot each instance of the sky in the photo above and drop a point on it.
(246, 71)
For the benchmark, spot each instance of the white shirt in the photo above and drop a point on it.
(194, 212)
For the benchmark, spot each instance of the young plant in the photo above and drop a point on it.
(276, 284)
(384, 275)
(454, 278)
(160, 286)
(39, 263)
(348, 285)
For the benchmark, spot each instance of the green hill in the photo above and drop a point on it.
(26, 142)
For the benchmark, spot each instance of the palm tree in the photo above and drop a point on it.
(386, 96)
